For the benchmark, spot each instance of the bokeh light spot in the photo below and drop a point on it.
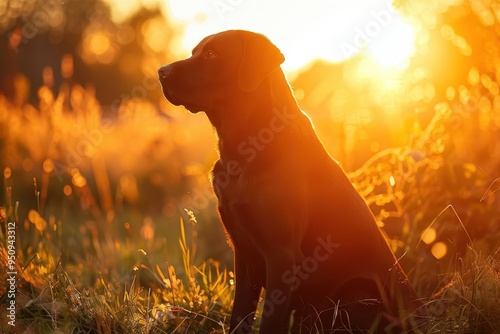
(78, 180)
(67, 190)
(48, 166)
(99, 43)
(392, 181)
(67, 66)
(429, 235)
(148, 230)
(35, 218)
(155, 35)
(7, 172)
(439, 250)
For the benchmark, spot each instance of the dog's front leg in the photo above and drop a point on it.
(249, 282)
(279, 290)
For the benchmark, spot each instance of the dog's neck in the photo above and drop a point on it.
(260, 120)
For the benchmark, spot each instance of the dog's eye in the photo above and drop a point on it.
(209, 54)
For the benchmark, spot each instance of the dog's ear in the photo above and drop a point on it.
(260, 58)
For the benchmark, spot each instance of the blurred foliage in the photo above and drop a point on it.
(118, 59)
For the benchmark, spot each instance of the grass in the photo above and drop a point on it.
(469, 302)
(100, 247)
(49, 300)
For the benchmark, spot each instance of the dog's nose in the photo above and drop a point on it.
(165, 71)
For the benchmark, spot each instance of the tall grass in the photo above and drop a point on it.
(151, 299)
(100, 247)
(155, 299)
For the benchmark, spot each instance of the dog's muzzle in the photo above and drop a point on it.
(167, 81)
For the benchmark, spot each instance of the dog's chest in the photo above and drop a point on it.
(239, 200)
(229, 183)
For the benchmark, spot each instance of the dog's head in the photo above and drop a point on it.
(222, 67)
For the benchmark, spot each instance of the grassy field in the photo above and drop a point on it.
(101, 238)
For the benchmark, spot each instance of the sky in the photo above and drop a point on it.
(333, 30)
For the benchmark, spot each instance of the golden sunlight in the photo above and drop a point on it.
(396, 46)
(332, 30)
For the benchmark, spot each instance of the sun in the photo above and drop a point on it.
(394, 47)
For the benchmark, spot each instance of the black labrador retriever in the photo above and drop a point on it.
(298, 227)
